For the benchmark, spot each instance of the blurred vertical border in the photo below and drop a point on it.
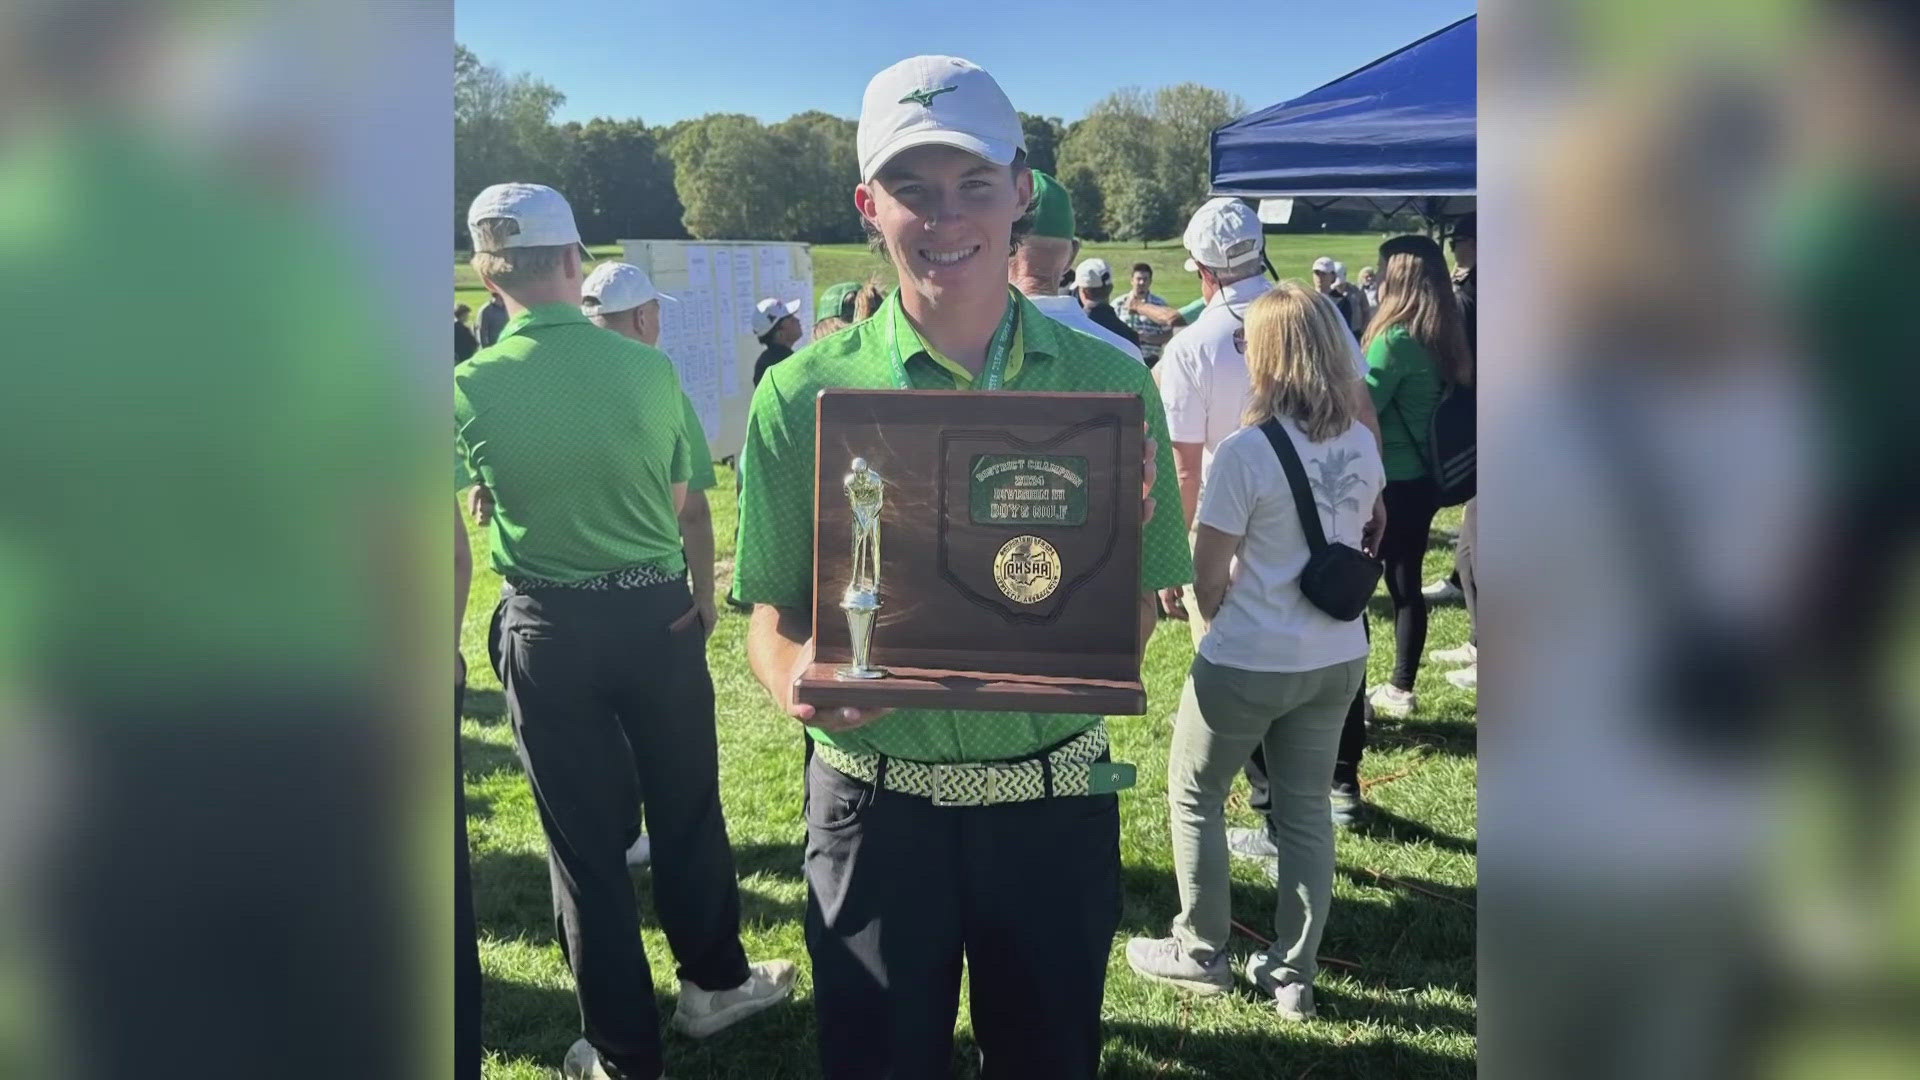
(225, 785)
(1697, 537)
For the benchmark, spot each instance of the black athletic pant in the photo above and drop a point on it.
(1411, 505)
(612, 706)
(466, 939)
(900, 891)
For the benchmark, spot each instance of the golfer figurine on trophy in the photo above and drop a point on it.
(862, 599)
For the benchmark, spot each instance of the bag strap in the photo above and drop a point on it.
(1297, 480)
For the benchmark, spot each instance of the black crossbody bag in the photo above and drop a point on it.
(1338, 580)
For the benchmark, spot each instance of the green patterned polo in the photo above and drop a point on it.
(580, 434)
(774, 564)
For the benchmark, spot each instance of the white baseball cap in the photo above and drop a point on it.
(1325, 265)
(1223, 234)
(936, 100)
(1092, 274)
(768, 313)
(542, 213)
(617, 286)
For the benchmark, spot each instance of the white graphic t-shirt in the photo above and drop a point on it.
(1266, 623)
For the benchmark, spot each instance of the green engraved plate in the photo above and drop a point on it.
(1025, 490)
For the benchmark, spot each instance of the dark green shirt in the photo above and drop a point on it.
(774, 564)
(580, 434)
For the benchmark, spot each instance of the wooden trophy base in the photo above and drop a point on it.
(977, 691)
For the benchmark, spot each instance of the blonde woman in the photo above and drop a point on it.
(1273, 670)
(1416, 345)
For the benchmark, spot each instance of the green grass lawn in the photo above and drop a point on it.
(1396, 998)
(1292, 256)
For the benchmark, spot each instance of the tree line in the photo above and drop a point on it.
(1136, 164)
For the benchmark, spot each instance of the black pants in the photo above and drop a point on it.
(227, 874)
(900, 891)
(1411, 505)
(466, 939)
(1853, 644)
(612, 706)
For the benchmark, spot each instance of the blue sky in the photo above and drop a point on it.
(663, 62)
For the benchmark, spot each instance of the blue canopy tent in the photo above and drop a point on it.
(1395, 136)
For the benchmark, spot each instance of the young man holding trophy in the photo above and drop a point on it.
(943, 835)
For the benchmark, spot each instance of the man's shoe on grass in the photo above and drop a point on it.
(583, 1063)
(705, 1012)
(1292, 1000)
(1465, 654)
(1251, 844)
(641, 853)
(1347, 803)
(1392, 702)
(1467, 678)
(1441, 591)
(1166, 960)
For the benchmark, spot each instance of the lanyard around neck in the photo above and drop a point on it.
(991, 376)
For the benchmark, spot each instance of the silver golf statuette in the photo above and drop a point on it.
(861, 602)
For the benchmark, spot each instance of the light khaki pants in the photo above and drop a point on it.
(1224, 713)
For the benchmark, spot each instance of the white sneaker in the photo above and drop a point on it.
(641, 853)
(1392, 702)
(1251, 844)
(705, 1012)
(1442, 590)
(1465, 654)
(582, 1063)
(1165, 960)
(1467, 678)
(1292, 1000)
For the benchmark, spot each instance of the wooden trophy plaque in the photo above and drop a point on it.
(1004, 572)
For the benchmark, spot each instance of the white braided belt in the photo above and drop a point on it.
(1073, 765)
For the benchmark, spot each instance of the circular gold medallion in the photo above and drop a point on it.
(1027, 569)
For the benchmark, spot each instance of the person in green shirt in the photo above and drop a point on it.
(901, 889)
(1415, 346)
(579, 435)
(621, 297)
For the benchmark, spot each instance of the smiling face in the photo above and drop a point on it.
(947, 218)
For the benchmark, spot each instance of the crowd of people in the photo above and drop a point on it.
(1288, 428)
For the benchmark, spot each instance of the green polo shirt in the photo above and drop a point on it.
(1405, 386)
(700, 459)
(774, 564)
(580, 434)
